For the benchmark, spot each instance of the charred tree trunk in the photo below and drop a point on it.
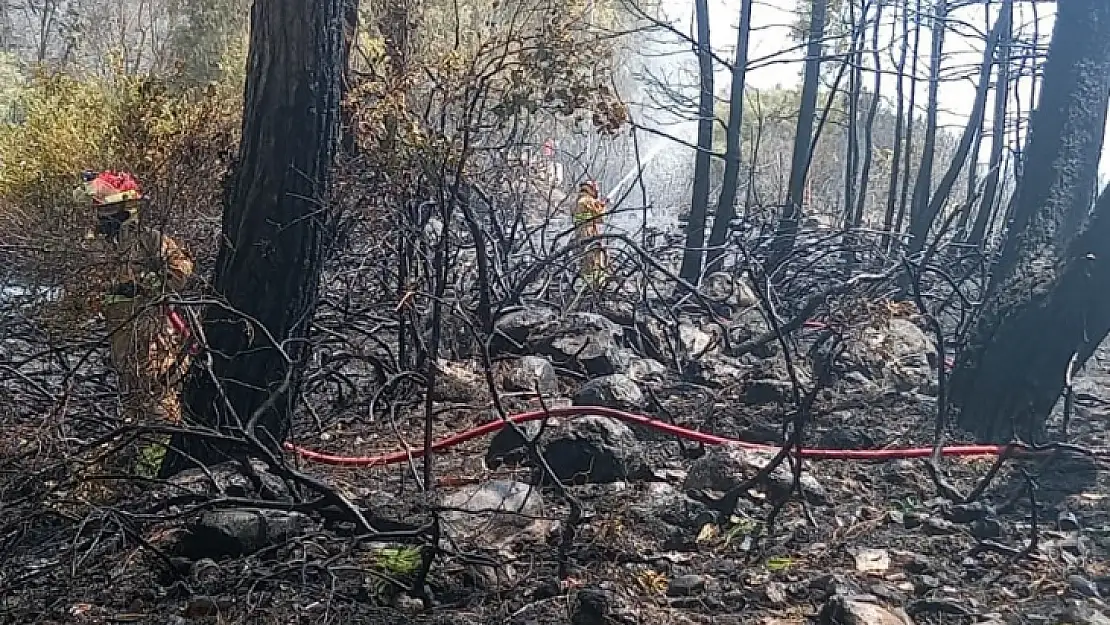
(907, 152)
(350, 37)
(851, 131)
(987, 203)
(275, 231)
(899, 124)
(869, 125)
(699, 203)
(787, 228)
(923, 188)
(1047, 300)
(726, 202)
(922, 221)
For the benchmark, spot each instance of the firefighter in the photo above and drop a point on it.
(147, 338)
(588, 213)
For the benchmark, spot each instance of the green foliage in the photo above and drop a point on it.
(175, 139)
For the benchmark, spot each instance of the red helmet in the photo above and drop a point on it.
(107, 187)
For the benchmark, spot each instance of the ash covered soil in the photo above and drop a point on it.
(646, 535)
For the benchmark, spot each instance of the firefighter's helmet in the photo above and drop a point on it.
(110, 193)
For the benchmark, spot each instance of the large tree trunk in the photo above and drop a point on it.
(275, 229)
(699, 204)
(787, 228)
(1041, 306)
(726, 202)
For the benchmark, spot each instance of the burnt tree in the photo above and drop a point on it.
(691, 269)
(276, 227)
(1047, 300)
(726, 202)
(792, 213)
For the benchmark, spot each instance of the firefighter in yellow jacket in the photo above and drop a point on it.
(588, 212)
(147, 346)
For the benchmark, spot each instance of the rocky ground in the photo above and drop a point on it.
(641, 534)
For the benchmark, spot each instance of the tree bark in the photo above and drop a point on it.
(869, 124)
(275, 230)
(923, 186)
(899, 123)
(1041, 306)
(726, 202)
(921, 221)
(978, 234)
(699, 203)
(787, 228)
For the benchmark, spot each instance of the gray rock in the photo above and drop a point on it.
(768, 391)
(529, 373)
(841, 610)
(1083, 587)
(695, 342)
(611, 391)
(718, 371)
(496, 509)
(685, 585)
(586, 449)
(509, 447)
(592, 606)
(646, 370)
(595, 449)
(724, 468)
(240, 531)
(517, 330)
(587, 339)
(898, 355)
(228, 479)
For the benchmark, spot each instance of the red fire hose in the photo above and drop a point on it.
(662, 426)
(628, 417)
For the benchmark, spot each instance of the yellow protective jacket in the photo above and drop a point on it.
(154, 263)
(587, 213)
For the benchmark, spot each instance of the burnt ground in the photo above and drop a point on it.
(643, 552)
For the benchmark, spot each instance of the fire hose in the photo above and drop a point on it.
(655, 424)
(485, 429)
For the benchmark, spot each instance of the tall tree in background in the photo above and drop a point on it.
(699, 203)
(921, 220)
(275, 226)
(726, 202)
(1047, 305)
(989, 201)
(923, 187)
(787, 228)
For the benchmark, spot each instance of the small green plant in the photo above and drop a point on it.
(150, 458)
(390, 565)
